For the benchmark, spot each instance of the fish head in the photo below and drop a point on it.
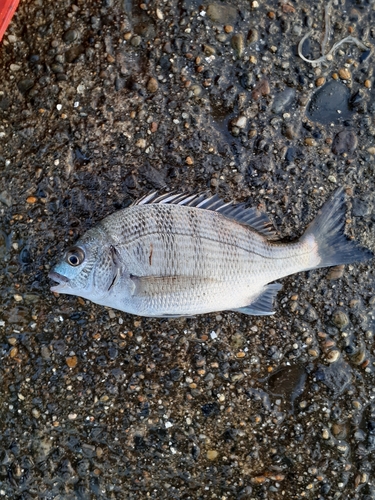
(89, 269)
(75, 272)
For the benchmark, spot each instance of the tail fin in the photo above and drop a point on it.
(327, 232)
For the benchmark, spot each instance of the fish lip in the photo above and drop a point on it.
(61, 280)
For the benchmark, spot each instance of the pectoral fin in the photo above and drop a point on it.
(263, 303)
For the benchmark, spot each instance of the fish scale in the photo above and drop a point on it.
(179, 255)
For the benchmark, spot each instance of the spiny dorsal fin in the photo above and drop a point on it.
(238, 212)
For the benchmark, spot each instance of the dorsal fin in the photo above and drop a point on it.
(250, 216)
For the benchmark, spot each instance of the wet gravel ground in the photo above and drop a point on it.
(102, 102)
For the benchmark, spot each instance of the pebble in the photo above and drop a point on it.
(261, 89)
(152, 85)
(320, 81)
(25, 85)
(333, 356)
(6, 198)
(70, 35)
(238, 44)
(309, 141)
(325, 434)
(35, 413)
(72, 54)
(336, 272)
(282, 100)
(344, 74)
(340, 319)
(212, 454)
(344, 142)
(221, 13)
(240, 122)
(31, 200)
(253, 35)
(72, 361)
(13, 352)
(329, 103)
(136, 41)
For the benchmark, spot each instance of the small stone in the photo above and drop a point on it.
(196, 90)
(141, 143)
(367, 84)
(136, 41)
(325, 434)
(371, 150)
(31, 200)
(35, 413)
(14, 67)
(212, 454)
(287, 8)
(13, 352)
(228, 28)
(25, 85)
(320, 81)
(208, 50)
(6, 198)
(333, 356)
(17, 297)
(73, 53)
(221, 13)
(253, 35)
(336, 272)
(238, 44)
(70, 35)
(72, 361)
(330, 103)
(344, 142)
(340, 319)
(241, 354)
(240, 122)
(359, 357)
(189, 161)
(261, 89)
(309, 141)
(258, 479)
(152, 85)
(344, 74)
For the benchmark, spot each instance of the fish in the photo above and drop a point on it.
(173, 255)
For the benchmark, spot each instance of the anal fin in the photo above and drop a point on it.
(263, 303)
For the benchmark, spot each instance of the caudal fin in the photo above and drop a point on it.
(327, 230)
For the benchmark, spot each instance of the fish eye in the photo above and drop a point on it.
(75, 256)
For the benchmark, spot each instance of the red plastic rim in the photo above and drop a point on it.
(7, 9)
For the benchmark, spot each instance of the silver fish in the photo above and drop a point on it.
(179, 255)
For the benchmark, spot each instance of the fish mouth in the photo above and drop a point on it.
(60, 279)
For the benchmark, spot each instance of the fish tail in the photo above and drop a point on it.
(326, 236)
